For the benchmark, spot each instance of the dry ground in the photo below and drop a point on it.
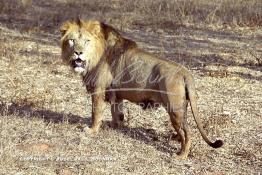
(44, 106)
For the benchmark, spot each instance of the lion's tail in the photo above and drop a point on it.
(191, 92)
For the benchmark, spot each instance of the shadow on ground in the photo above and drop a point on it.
(147, 136)
(150, 137)
(47, 115)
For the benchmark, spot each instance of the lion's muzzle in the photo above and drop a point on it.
(78, 63)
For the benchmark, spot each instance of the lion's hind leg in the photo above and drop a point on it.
(175, 103)
(179, 121)
(187, 137)
(176, 118)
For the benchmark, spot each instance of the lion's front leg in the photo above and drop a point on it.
(98, 106)
(117, 113)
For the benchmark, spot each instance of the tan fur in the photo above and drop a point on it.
(117, 69)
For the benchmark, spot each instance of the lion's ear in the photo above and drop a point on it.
(64, 28)
(79, 21)
(96, 27)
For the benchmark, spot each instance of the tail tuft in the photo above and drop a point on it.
(217, 144)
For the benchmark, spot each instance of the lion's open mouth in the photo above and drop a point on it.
(78, 63)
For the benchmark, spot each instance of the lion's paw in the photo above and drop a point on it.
(90, 131)
(118, 124)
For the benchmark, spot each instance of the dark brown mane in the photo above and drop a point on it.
(107, 29)
(114, 38)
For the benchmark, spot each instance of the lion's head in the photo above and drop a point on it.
(82, 44)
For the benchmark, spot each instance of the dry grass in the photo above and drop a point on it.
(44, 107)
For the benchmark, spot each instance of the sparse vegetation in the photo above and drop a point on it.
(44, 106)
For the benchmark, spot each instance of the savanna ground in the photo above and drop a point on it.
(44, 106)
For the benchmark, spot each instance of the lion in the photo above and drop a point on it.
(114, 69)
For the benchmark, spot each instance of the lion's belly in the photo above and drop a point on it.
(132, 95)
(137, 95)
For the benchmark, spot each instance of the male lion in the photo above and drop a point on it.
(114, 68)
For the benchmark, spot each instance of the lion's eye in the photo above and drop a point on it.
(71, 42)
(87, 41)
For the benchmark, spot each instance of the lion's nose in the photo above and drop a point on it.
(78, 53)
